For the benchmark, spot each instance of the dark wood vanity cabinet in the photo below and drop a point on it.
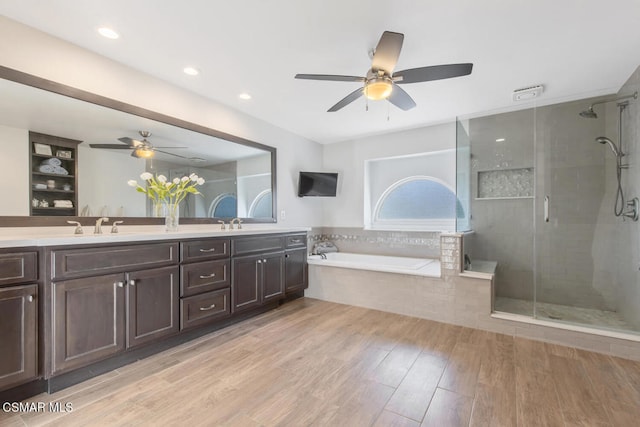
(258, 271)
(295, 263)
(18, 318)
(205, 280)
(100, 315)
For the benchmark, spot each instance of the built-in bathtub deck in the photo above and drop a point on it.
(389, 264)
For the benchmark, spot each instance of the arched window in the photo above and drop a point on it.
(224, 206)
(418, 202)
(261, 206)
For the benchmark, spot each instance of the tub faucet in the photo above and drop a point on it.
(323, 255)
(98, 229)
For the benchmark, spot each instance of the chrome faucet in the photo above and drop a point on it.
(114, 229)
(98, 229)
(222, 227)
(236, 220)
(78, 229)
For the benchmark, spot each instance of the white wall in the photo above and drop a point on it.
(14, 186)
(31, 51)
(348, 158)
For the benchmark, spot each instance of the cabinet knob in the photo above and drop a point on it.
(119, 284)
(132, 282)
(286, 255)
(264, 260)
(259, 261)
(30, 298)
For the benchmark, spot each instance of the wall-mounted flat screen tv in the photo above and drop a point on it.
(318, 184)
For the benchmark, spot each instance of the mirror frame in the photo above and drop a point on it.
(81, 95)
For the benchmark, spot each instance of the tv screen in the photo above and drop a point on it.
(319, 184)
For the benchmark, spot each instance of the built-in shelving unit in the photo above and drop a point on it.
(54, 175)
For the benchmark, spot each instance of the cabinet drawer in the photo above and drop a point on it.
(202, 309)
(68, 263)
(204, 277)
(18, 267)
(296, 241)
(250, 245)
(197, 250)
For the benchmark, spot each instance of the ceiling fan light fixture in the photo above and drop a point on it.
(143, 153)
(378, 89)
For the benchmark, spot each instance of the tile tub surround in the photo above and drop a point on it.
(376, 242)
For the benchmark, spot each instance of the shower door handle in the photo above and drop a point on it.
(546, 208)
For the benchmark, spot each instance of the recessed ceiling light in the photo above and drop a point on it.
(500, 140)
(244, 95)
(191, 71)
(108, 33)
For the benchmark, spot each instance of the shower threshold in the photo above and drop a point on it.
(609, 320)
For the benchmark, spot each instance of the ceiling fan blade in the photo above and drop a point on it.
(401, 99)
(131, 142)
(170, 154)
(111, 146)
(347, 100)
(435, 72)
(387, 52)
(167, 147)
(330, 77)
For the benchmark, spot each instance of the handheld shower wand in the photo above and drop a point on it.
(612, 145)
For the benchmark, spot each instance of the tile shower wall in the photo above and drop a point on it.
(617, 252)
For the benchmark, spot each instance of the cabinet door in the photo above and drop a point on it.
(295, 270)
(272, 276)
(153, 304)
(18, 335)
(247, 276)
(88, 320)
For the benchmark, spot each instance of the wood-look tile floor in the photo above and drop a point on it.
(316, 363)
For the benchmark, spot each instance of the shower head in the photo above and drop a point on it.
(589, 113)
(612, 145)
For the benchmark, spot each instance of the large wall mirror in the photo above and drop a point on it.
(240, 175)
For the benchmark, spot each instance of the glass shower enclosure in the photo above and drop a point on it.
(541, 191)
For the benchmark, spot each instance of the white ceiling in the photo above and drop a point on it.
(575, 48)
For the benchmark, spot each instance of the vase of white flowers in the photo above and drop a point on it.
(168, 194)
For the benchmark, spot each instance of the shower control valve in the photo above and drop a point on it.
(633, 209)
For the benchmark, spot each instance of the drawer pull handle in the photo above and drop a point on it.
(208, 276)
(211, 307)
(119, 284)
(30, 298)
(296, 240)
(208, 250)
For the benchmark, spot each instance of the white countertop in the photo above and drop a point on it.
(12, 237)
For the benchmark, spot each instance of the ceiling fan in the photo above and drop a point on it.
(382, 83)
(140, 149)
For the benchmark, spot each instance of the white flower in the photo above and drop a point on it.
(132, 182)
(146, 176)
(193, 177)
(176, 181)
(162, 179)
(168, 184)
(185, 179)
(200, 181)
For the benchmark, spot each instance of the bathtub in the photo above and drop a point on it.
(389, 264)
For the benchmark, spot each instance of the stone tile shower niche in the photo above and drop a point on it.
(505, 183)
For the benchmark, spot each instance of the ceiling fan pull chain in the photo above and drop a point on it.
(388, 111)
(366, 108)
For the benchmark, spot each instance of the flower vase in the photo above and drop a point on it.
(172, 217)
(159, 209)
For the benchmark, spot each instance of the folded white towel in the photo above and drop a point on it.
(63, 203)
(46, 168)
(52, 161)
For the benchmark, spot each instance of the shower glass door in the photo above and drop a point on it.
(582, 254)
